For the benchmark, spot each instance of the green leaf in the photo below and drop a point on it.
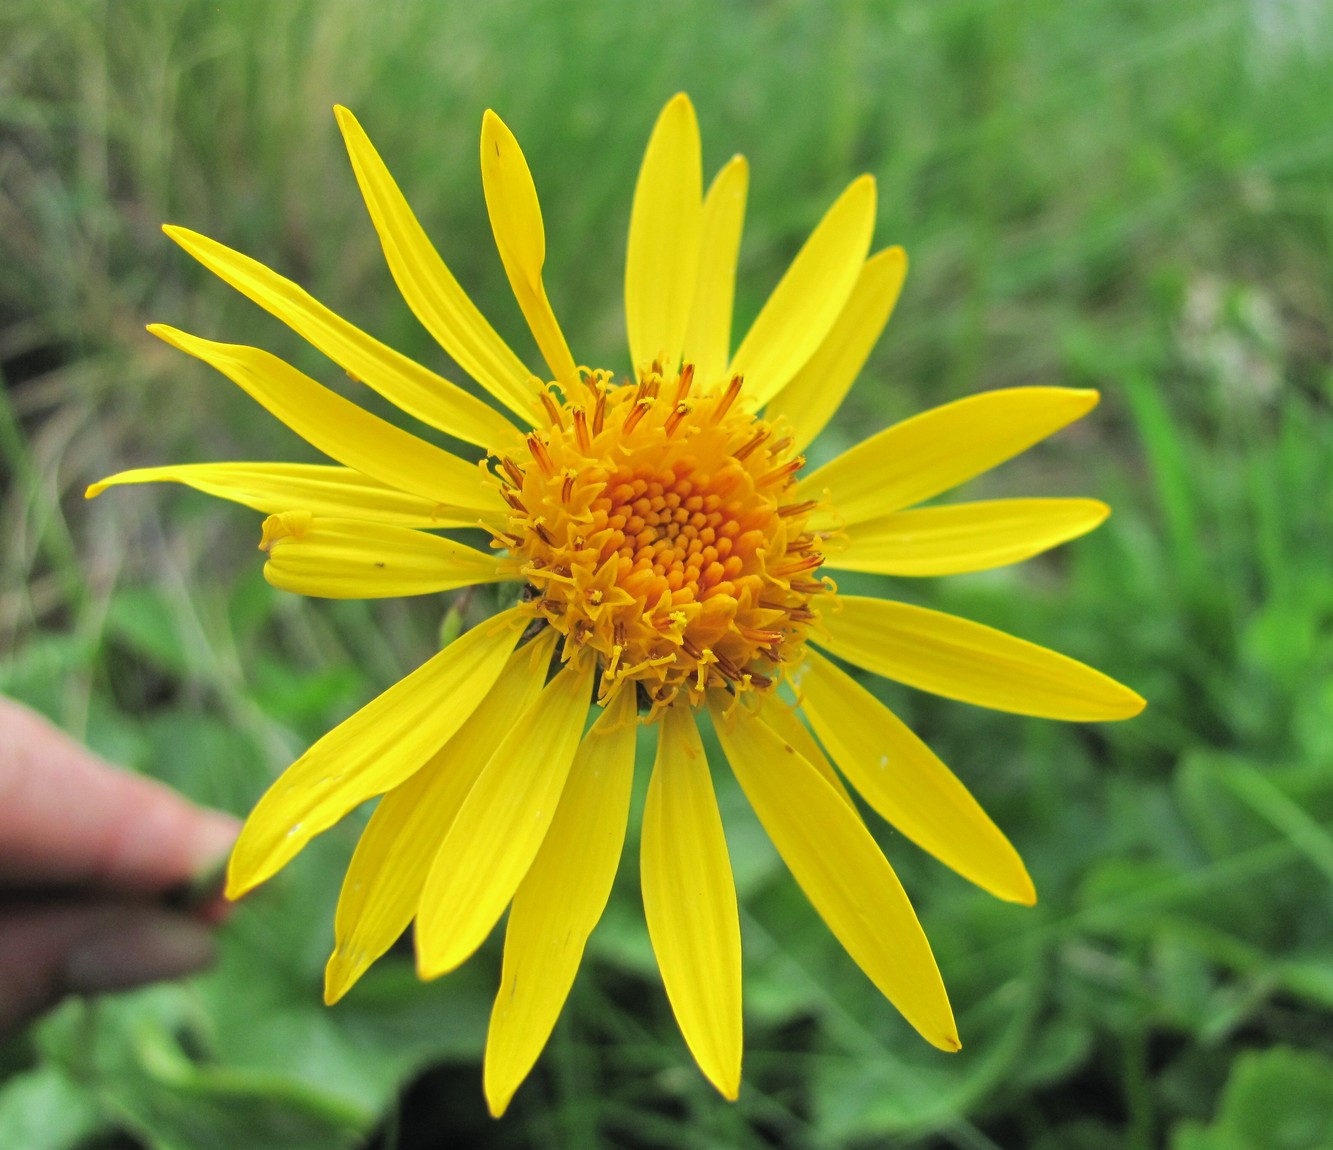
(1277, 1099)
(45, 1110)
(140, 618)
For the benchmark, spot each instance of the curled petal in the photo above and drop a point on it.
(362, 559)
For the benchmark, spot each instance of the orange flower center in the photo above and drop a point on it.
(655, 528)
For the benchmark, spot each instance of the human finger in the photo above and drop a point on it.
(47, 952)
(69, 818)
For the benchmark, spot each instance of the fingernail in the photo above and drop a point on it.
(137, 947)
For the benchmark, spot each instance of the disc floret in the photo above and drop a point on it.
(655, 527)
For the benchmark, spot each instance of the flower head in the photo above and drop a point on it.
(668, 557)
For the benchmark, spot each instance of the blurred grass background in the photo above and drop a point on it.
(1133, 196)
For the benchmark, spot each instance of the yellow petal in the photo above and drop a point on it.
(501, 824)
(344, 431)
(373, 751)
(323, 490)
(708, 333)
(429, 288)
(689, 901)
(661, 265)
(841, 870)
(516, 220)
(560, 900)
(958, 659)
(941, 448)
(383, 886)
(962, 537)
(789, 728)
(901, 778)
(818, 389)
(360, 559)
(401, 381)
(809, 297)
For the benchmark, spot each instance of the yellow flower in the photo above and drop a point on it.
(664, 545)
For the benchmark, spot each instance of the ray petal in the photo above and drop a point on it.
(501, 824)
(362, 559)
(402, 381)
(383, 886)
(963, 536)
(345, 432)
(689, 900)
(373, 751)
(516, 220)
(959, 659)
(814, 393)
(898, 775)
(428, 286)
(560, 900)
(788, 727)
(662, 262)
(708, 334)
(319, 488)
(941, 448)
(808, 299)
(840, 868)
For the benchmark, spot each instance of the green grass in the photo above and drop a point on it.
(1131, 196)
